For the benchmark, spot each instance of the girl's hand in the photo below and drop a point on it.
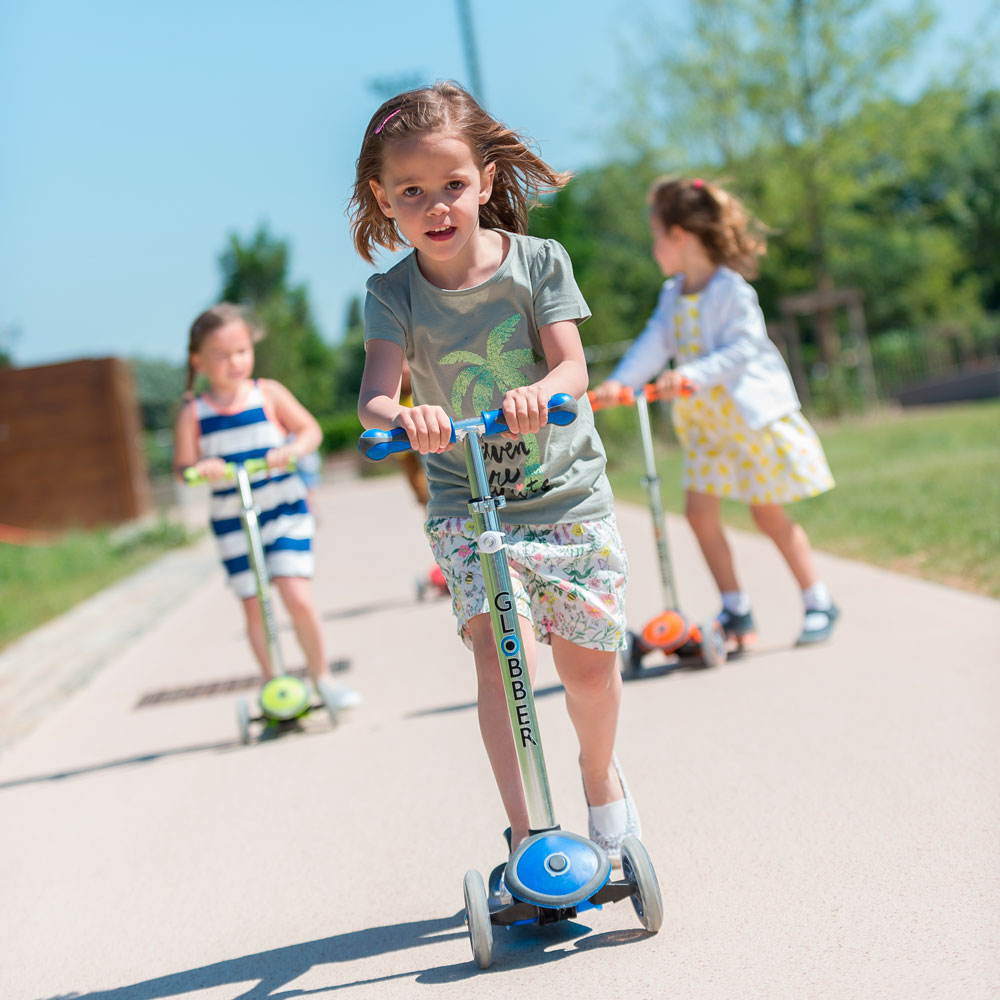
(672, 384)
(211, 468)
(525, 409)
(427, 427)
(278, 458)
(608, 393)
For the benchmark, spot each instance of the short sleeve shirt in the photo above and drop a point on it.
(466, 348)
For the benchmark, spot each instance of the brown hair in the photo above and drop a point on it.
(520, 178)
(730, 235)
(208, 322)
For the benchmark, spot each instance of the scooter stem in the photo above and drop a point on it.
(507, 632)
(652, 483)
(255, 549)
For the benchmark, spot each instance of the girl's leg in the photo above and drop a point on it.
(593, 686)
(790, 538)
(702, 512)
(296, 594)
(256, 635)
(494, 720)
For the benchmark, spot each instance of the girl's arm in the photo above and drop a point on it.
(186, 448)
(427, 427)
(654, 346)
(526, 406)
(296, 419)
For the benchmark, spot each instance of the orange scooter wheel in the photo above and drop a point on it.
(667, 631)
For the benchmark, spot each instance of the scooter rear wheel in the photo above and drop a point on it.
(328, 695)
(714, 646)
(638, 869)
(243, 720)
(477, 916)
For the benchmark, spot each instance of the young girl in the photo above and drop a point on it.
(741, 429)
(241, 417)
(487, 317)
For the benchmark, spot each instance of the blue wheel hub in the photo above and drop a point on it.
(557, 870)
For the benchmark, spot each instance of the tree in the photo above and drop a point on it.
(255, 274)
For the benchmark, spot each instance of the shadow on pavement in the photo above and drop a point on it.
(465, 706)
(274, 969)
(145, 758)
(516, 948)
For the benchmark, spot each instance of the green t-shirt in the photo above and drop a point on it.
(465, 349)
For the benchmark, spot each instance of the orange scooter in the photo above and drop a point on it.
(670, 632)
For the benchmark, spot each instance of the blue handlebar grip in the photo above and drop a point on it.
(375, 445)
(562, 410)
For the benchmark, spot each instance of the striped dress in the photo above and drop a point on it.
(286, 526)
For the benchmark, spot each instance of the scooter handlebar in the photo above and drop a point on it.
(375, 445)
(626, 395)
(252, 465)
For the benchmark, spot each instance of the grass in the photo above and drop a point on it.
(918, 491)
(42, 581)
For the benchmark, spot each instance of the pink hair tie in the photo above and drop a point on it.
(696, 183)
(387, 117)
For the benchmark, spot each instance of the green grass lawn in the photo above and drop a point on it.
(39, 582)
(918, 491)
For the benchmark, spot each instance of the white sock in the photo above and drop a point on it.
(817, 597)
(611, 819)
(736, 602)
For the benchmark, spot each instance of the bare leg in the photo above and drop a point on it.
(296, 594)
(593, 696)
(702, 512)
(791, 540)
(257, 636)
(494, 720)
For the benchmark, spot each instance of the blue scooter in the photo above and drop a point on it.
(554, 874)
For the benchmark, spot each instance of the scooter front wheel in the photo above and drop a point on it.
(477, 916)
(638, 869)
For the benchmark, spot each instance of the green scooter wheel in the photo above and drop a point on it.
(283, 698)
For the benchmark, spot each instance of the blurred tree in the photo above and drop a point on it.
(255, 274)
(760, 79)
(159, 386)
(349, 360)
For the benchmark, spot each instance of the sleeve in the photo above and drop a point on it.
(654, 347)
(556, 295)
(384, 319)
(739, 336)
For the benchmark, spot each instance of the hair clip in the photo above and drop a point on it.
(387, 117)
(696, 183)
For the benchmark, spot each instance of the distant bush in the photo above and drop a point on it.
(340, 431)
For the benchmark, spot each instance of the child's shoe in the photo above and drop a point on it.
(741, 629)
(612, 842)
(818, 625)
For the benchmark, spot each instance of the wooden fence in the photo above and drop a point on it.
(71, 450)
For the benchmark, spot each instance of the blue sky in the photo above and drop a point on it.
(136, 136)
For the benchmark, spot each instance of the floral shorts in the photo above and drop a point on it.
(568, 579)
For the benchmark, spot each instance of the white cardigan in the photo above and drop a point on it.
(737, 352)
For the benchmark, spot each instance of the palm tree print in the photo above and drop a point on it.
(499, 370)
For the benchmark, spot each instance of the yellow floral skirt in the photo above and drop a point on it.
(780, 463)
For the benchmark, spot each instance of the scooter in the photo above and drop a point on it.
(554, 874)
(671, 632)
(284, 699)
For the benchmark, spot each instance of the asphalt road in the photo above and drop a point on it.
(823, 822)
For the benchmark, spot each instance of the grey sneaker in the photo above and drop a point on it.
(737, 627)
(612, 843)
(818, 625)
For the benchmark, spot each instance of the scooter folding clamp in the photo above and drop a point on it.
(490, 541)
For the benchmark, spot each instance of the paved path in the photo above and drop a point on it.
(823, 822)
